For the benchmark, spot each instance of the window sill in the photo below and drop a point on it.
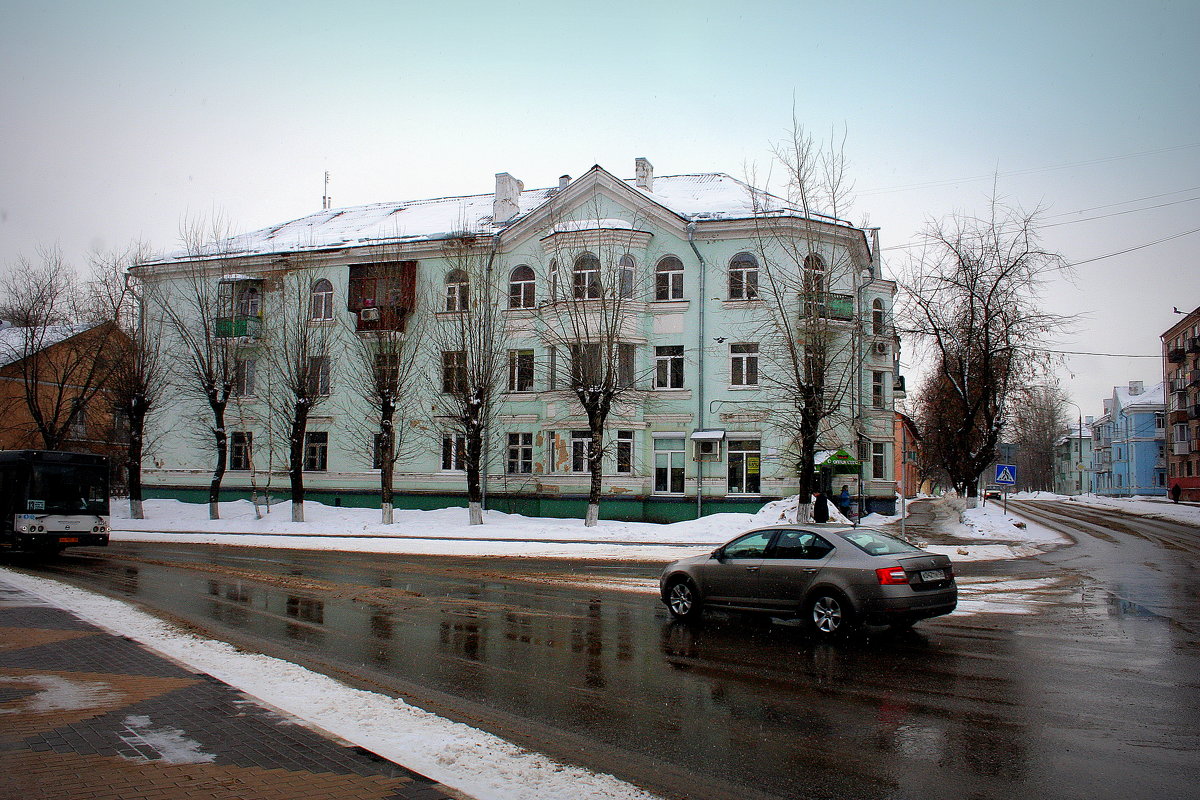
(668, 306)
(744, 387)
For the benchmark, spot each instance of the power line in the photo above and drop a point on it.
(1029, 171)
(1138, 247)
(1117, 213)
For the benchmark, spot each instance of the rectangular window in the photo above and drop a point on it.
(668, 367)
(454, 372)
(878, 460)
(745, 466)
(1160, 420)
(668, 466)
(387, 371)
(244, 373)
(316, 451)
(625, 364)
(581, 448)
(520, 453)
(454, 451)
(877, 383)
(520, 370)
(240, 443)
(317, 376)
(743, 364)
(625, 452)
(552, 369)
(378, 456)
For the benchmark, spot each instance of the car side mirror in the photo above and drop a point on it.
(719, 553)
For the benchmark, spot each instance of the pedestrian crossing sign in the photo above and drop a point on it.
(1006, 474)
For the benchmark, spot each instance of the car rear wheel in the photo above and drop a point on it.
(829, 614)
(682, 600)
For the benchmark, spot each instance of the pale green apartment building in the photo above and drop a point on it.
(699, 432)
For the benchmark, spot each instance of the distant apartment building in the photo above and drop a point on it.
(1129, 443)
(907, 456)
(1073, 460)
(1181, 373)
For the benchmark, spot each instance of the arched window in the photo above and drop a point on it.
(456, 291)
(743, 277)
(877, 324)
(520, 288)
(814, 274)
(668, 279)
(585, 280)
(625, 274)
(320, 305)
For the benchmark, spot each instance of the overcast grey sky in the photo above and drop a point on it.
(119, 119)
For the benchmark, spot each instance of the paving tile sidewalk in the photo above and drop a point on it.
(87, 714)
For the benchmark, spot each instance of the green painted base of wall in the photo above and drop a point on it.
(626, 509)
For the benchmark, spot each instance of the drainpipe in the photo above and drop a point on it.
(702, 299)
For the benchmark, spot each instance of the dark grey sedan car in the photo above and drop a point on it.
(833, 576)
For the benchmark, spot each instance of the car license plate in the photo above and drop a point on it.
(68, 539)
(933, 575)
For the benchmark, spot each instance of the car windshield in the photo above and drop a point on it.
(874, 543)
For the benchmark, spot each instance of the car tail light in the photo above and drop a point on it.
(891, 576)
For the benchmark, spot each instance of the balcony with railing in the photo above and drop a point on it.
(1193, 344)
(239, 327)
(829, 305)
(1194, 378)
(1175, 355)
(1177, 416)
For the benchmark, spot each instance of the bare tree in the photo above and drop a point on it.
(140, 375)
(63, 352)
(211, 312)
(301, 351)
(469, 342)
(384, 347)
(971, 300)
(595, 289)
(1038, 421)
(810, 338)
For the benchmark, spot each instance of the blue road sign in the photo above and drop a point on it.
(1006, 474)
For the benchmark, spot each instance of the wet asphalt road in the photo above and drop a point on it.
(1094, 696)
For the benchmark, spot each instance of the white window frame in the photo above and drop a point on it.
(668, 366)
(742, 363)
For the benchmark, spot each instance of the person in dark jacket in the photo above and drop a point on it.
(821, 508)
(1175, 492)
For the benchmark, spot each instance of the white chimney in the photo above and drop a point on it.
(563, 182)
(506, 204)
(644, 174)
(1136, 388)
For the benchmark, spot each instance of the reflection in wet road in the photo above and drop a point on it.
(1096, 698)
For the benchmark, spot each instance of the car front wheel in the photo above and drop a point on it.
(829, 614)
(682, 600)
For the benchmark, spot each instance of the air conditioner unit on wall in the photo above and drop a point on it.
(881, 348)
(369, 315)
(708, 449)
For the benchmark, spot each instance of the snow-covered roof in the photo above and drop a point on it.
(709, 196)
(13, 346)
(1154, 396)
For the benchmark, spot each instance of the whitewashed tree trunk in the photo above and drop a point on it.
(593, 515)
(476, 513)
(298, 512)
(214, 511)
(387, 513)
(135, 509)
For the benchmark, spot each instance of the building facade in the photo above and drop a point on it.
(907, 456)
(1073, 460)
(1181, 374)
(702, 428)
(1129, 443)
(63, 372)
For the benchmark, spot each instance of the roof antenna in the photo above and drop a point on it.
(326, 201)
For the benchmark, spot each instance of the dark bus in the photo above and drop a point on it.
(51, 500)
